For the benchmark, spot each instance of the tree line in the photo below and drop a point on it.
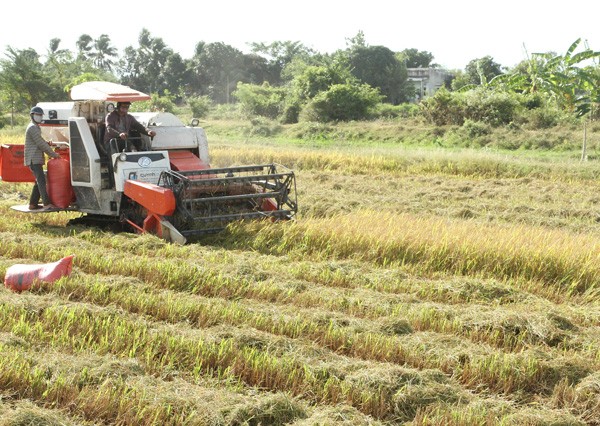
(288, 81)
(214, 70)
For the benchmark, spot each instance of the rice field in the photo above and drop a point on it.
(417, 287)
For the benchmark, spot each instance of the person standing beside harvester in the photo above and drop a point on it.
(35, 147)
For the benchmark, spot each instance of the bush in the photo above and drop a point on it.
(199, 105)
(443, 108)
(385, 110)
(342, 102)
(156, 103)
(263, 100)
(475, 129)
(595, 113)
(493, 107)
(291, 111)
(547, 117)
(311, 130)
(481, 104)
(261, 126)
(532, 100)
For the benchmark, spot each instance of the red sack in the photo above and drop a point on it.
(20, 277)
(59, 185)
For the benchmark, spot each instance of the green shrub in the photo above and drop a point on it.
(311, 130)
(545, 118)
(342, 102)
(200, 105)
(156, 103)
(385, 110)
(291, 111)
(532, 100)
(475, 129)
(493, 107)
(443, 108)
(595, 112)
(263, 100)
(480, 104)
(261, 126)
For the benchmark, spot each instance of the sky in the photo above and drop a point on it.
(454, 31)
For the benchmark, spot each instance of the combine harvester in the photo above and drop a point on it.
(166, 188)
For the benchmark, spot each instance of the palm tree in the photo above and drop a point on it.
(83, 46)
(103, 52)
(56, 59)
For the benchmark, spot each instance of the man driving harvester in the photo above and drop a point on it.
(118, 125)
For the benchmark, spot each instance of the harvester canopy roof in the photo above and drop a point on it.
(106, 91)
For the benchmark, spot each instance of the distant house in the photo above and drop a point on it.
(427, 81)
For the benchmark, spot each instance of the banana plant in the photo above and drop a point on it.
(590, 94)
(560, 77)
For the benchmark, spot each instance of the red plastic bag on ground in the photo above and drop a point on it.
(20, 277)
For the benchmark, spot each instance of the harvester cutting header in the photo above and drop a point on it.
(162, 184)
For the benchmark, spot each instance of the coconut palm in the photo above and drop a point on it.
(102, 53)
(83, 46)
(56, 59)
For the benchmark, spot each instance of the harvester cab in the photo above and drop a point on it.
(166, 187)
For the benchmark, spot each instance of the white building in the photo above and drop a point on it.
(427, 80)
